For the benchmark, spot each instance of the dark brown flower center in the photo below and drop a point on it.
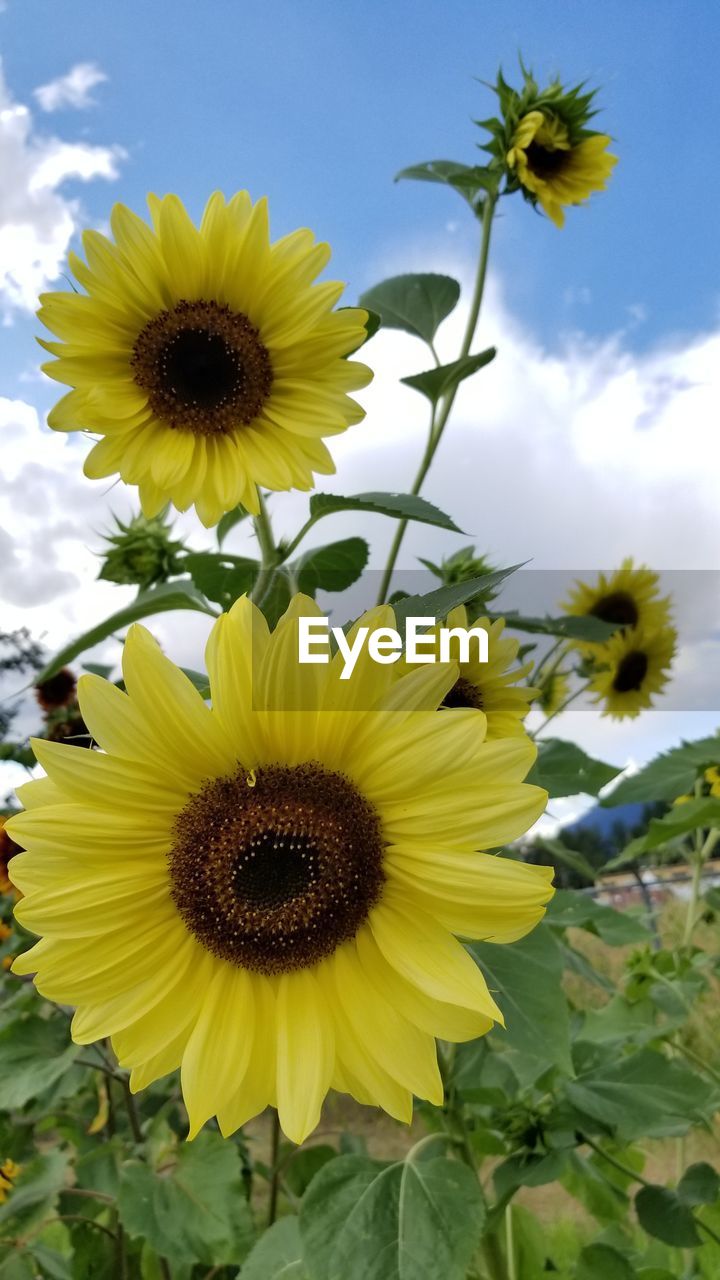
(631, 672)
(617, 607)
(463, 694)
(544, 162)
(274, 871)
(203, 367)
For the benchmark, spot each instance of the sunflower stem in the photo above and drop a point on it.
(438, 424)
(275, 1167)
(268, 552)
(563, 706)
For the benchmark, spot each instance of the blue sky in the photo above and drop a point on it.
(593, 436)
(318, 104)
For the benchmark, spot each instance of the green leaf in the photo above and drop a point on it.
(570, 909)
(701, 812)
(620, 1022)
(417, 304)
(643, 1095)
(333, 567)
(195, 1211)
(277, 1254)
(414, 1220)
(662, 1214)
(581, 627)
(35, 1190)
(525, 980)
(19, 754)
(571, 858)
(399, 506)
(436, 383)
(222, 578)
(470, 181)
(276, 600)
(304, 1164)
(700, 1184)
(602, 1262)
(437, 604)
(228, 522)
(34, 1053)
(564, 769)
(180, 594)
(528, 1171)
(670, 775)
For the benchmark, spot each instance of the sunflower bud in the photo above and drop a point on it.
(142, 552)
(461, 567)
(542, 141)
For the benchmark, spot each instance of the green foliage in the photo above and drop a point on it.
(166, 598)
(564, 769)
(417, 304)
(472, 182)
(222, 578)
(331, 568)
(277, 1254)
(399, 506)
(191, 1208)
(671, 774)
(439, 382)
(525, 980)
(662, 1214)
(416, 1219)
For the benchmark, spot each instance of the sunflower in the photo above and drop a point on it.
(630, 668)
(488, 686)
(266, 892)
(554, 691)
(712, 776)
(9, 1171)
(205, 358)
(553, 167)
(8, 849)
(627, 598)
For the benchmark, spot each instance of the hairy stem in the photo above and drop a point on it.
(439, 423)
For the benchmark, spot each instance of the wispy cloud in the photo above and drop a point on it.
(71, 90)
(37, 220)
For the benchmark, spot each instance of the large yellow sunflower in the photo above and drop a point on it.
(490, 686)
(628, 598)
(205, 358)
(630, 668)
(265, 892)
(556, 170)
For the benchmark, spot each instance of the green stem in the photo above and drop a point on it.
(438, 424)
(510, 1243)
(558, 710)
(703, 850)
(700, 1062)
(268, 552)
(275, 1167)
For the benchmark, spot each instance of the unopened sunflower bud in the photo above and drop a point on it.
(142, 553)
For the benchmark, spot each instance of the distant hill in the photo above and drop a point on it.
(608, 823)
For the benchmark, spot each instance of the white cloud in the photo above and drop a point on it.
(37, 220)
(71, 90)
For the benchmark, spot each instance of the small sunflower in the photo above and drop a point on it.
(630, 668)
(554, 691)
(712, 775)
(9, 1171)
(266, 892)
(554, 167)
(8, 849)
(488, 686)
(627, 598)
(205, 358)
